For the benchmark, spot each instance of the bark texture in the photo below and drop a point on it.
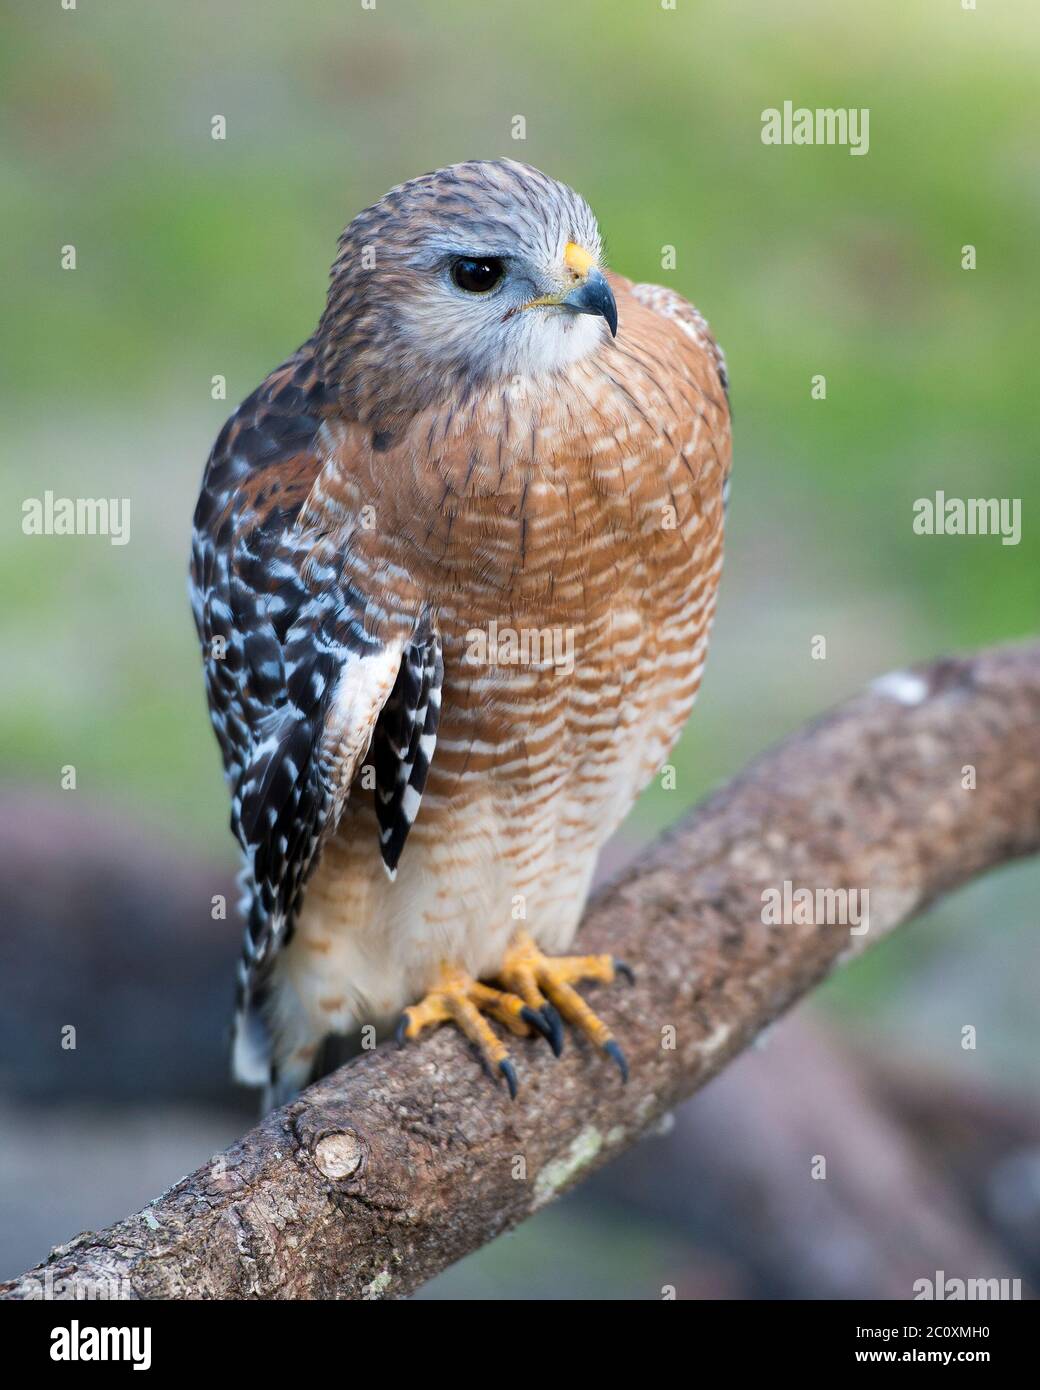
(403, 1161)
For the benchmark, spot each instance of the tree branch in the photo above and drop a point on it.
(401, 1162)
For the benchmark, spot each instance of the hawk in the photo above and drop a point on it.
(453, 572)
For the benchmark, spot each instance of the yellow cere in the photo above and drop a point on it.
(576, 258)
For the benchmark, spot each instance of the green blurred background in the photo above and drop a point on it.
(199, 257)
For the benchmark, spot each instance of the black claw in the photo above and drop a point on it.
(509, 1072)
(537, 1021)
(625, 971)
(400, 1030)
(555, 1026)
(613, 1050)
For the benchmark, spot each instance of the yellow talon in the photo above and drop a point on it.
(459, 999)
(537, 994)
(544, 984)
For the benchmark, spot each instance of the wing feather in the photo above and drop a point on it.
(297, 685)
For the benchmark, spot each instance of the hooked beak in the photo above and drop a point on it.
(590, 293)
(594, 296)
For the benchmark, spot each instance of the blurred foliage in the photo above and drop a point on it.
(198, 257)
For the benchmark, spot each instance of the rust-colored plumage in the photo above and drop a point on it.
(454, 578)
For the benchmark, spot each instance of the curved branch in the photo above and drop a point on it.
(401, 1162)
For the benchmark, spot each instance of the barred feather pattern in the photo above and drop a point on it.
(403, 746)
(281, 626)
(398, 803)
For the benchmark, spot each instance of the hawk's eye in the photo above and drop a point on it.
(477, 276)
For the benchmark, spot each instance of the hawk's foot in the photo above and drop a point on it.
(545, 984)
(458, 998)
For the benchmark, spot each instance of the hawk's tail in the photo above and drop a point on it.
(262, 1043)
(273, 1047)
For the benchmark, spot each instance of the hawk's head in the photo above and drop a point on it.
(471, 275)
